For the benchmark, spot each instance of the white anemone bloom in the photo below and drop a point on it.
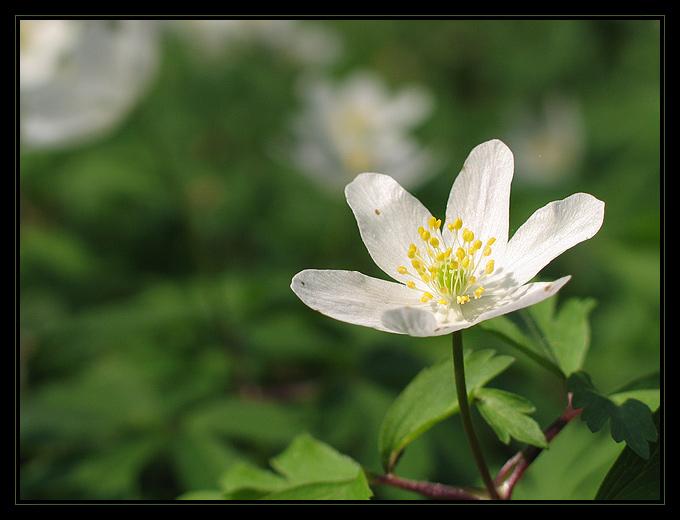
(360, 125)
(451, 274)
(80, 78)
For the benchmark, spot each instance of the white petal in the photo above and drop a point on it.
(522, 297)
(388, 217)
(419, 322)
(350, 296)
(549, 232)
(414, 321)
(480, 195)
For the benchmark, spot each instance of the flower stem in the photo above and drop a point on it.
(464, 405)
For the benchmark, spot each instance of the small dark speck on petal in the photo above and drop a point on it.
(377, 212)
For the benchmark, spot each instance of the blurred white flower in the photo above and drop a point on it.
(43, 47)
(550, 140)
(305, 43)
(78, 78)
(359, 126)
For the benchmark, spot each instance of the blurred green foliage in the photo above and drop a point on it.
(158, 339)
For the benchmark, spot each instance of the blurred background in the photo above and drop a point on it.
(176, 174)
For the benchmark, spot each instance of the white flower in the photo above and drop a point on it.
(79, 78)
(305, 44)
(359, 125)
(550, 140)
(455, 273)
(44, 45)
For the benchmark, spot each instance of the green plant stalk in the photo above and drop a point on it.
(464, 405)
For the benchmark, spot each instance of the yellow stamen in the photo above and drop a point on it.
(456, 224)
(451, 270)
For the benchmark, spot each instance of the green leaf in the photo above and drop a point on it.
(650, 396)
(566, 332)
(507, 413)
(244, 480)
(206, 494)
(558, 341)
(306, 470)
(630, 421)
(503, 327)
(633, 478)
(351, 489)
(430, 398)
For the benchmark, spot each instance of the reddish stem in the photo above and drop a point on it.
(430, 489)
(514, 469)
(505, 482)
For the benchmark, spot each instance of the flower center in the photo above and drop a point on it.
(451, 273)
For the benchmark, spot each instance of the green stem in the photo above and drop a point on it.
(464, 405)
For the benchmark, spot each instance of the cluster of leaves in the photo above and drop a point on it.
(309, 469)
(559, 342)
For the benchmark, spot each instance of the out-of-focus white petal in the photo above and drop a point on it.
(480, 195)
(388, 217)
(350, 296)
(549, 232)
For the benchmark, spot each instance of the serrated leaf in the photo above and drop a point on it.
(633, 478)
(430, 398)
(306, 470)
(507, 413)
(350, 489)
(630, 421)
(308, 460)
